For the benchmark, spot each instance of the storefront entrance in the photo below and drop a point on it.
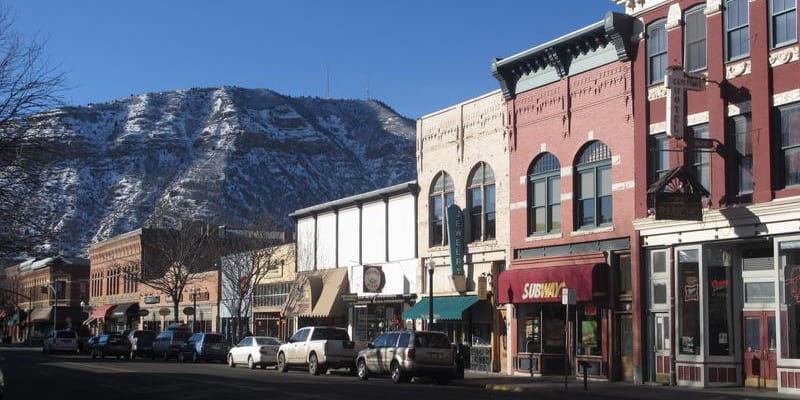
(660, 365)
(760, 349)
(625, 346)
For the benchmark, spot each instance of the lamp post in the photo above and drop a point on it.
(430, 292)
(55, 303)
(194, 292)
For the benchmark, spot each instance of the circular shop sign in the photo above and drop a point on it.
(164, 312)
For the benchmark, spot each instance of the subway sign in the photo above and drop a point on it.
(542, 290)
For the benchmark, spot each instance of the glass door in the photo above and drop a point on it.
(760, 349)
(625, 346)
(661, 365)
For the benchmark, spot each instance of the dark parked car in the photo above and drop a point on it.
(111, 344)
(168, 343)
(141, 342)
(204, 346)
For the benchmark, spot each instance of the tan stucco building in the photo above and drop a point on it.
(462, 159)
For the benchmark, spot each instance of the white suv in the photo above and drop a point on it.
(65, 340)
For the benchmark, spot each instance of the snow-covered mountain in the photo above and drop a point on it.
(225, 153)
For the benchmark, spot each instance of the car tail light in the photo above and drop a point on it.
(263, 350)
(410, 354)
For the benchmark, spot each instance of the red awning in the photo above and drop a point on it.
(102, 311)
(543, 285)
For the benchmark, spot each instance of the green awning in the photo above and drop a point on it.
(444, 307)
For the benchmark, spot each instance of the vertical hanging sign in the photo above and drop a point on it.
(677, 83)
(455, 238)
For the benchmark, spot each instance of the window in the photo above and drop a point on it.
(659, 154)
(624, 284)
(789, 142)
(404, 340)
(271, 295)
(695, 35)
(656, 52)
(544, 195)
(737, 28)
(593, 186)
(481, 203)
(700, 158)
(739, 128)
(440, 198)
(688, 294)
(659, 278)
(783, 19)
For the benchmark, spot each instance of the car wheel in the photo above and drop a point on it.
(230, 361)
(363, 372)
(194, 357)
(313, 364)
(397, 373)
(250, 363)
(282, 363)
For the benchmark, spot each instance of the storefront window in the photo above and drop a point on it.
(789, 253)
(718, 285)
(689, 302)
(589, 335)
(541, 328)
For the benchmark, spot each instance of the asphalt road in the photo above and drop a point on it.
(30, 374)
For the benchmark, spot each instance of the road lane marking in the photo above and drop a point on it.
(75, 364)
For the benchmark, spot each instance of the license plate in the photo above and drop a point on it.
(437, 356)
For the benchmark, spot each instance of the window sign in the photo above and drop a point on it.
(689, 342)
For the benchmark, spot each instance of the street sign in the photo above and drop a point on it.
(188, 310)
(701, 143)
(568, 296)
(164, 312)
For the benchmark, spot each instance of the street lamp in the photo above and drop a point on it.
(430, 292)
(55, 303)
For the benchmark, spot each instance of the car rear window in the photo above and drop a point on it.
(66, 335)
(267, 342)
(330, 334)
(431, 341)
(214, 339)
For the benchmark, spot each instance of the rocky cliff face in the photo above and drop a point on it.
(223, 153)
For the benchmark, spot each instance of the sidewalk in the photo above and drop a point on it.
(554, 385)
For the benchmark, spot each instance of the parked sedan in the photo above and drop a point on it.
(255, 351)
(406, 354)
(112, 344)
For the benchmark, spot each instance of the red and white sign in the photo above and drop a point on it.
(544, 285)
(677, 83)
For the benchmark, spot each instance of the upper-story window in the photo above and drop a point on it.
(481, 198)
(659, 156)
(700, 158)
(737, 28)
(593, 186)
(740, 135)
(783, 22)
(656, 52)
(789, 144)
(694, 34)
(441, 196)
(544, 195)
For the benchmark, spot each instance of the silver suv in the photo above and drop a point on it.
(407, 354)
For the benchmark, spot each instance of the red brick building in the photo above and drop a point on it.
(722, 293)
(573, 197)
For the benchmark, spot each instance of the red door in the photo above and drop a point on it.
(760, 349)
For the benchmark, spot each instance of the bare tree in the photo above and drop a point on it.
(28, 88)
(173, 258)
(245, 265)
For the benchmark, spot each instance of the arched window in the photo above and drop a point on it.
(593, 186)
(441, 196)
(544, 195)
(480, 195)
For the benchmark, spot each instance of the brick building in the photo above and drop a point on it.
(36, 279)
(572, 200)
(722, 291)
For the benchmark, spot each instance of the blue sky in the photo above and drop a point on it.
(417, 56)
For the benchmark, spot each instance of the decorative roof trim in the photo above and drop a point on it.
(616, 29)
